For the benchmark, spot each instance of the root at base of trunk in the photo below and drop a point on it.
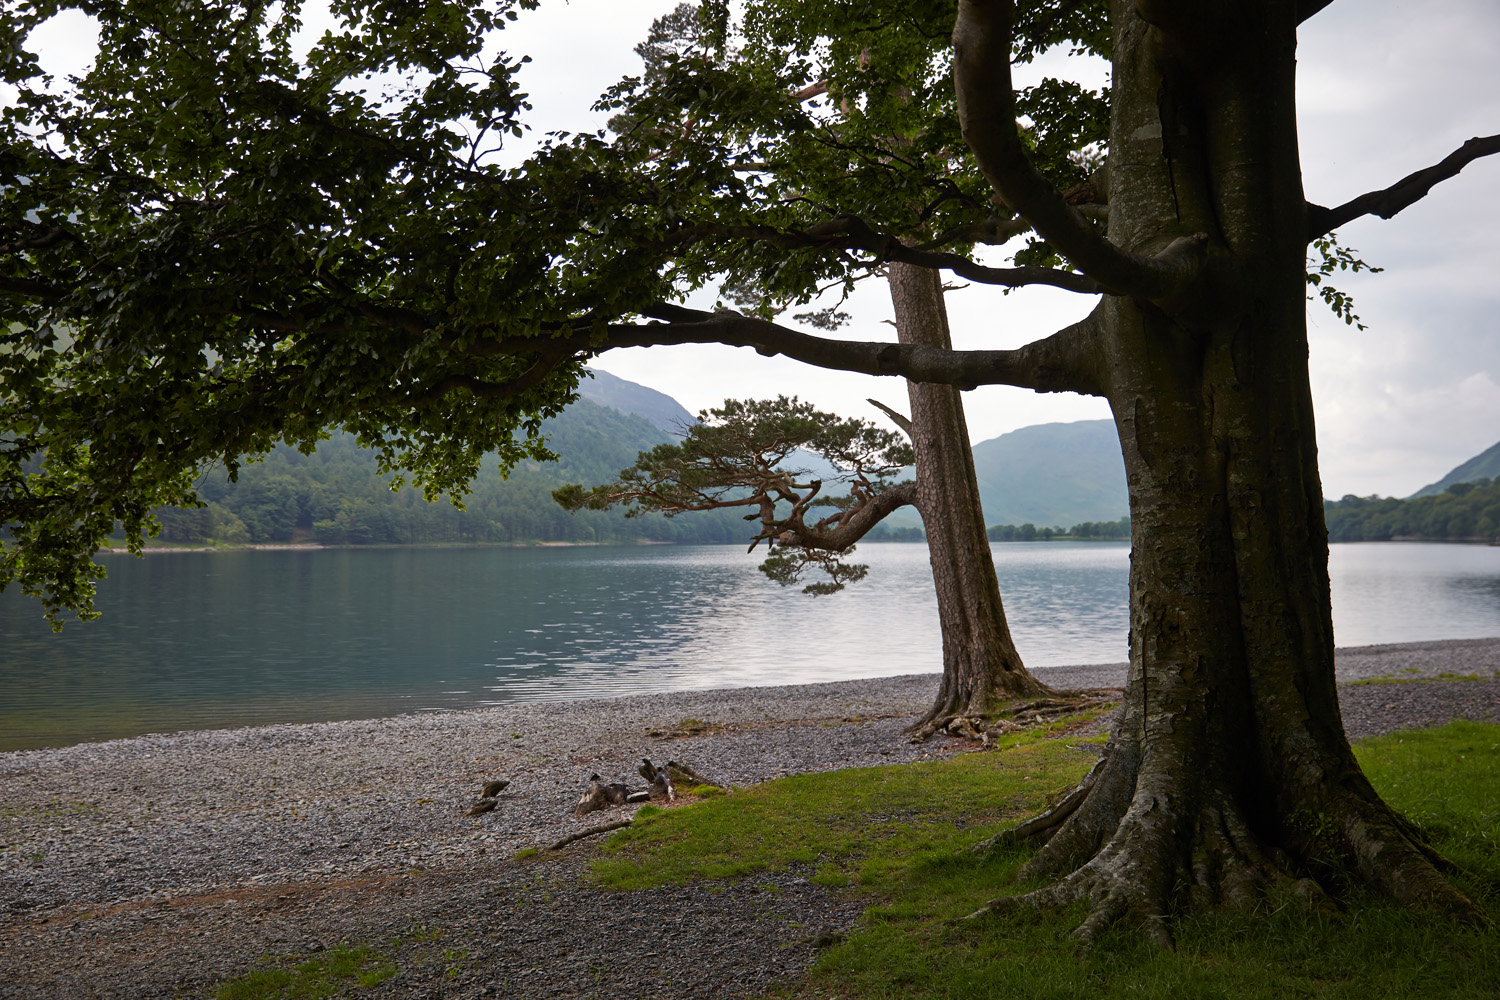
(987, 728)
(1141, 857)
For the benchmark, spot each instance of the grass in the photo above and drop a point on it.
(1404, 678)
(860, 827)
(897, 837)
(332, 974)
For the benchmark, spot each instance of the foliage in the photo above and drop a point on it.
(881, 832)
(1468, 510)
(1092, 530)
(1333, 256)
(753, 453)
(271, 244)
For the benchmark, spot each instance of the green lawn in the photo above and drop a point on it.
(898, 837)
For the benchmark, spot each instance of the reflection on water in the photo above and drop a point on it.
(203, 640)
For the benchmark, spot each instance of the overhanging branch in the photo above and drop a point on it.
(1063, 362)
(1406, 192)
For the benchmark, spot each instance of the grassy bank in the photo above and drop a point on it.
(898, 837)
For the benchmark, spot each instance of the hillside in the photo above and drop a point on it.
(1485, 465)
(611, 391)
(1465, 511)
(335, 496)
(1053, 474)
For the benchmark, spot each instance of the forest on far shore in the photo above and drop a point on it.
(1464, 512)
(336, 496)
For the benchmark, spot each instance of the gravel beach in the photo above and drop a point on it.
(160, 865)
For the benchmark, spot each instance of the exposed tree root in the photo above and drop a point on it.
(1130, 846)
(986, 727)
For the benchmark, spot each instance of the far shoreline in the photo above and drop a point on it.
(150, 549)
(1441, 660)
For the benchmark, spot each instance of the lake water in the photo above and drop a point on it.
(217, 639)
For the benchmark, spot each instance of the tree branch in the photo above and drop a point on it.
(1406, 192)
(840, 538)
(1307, 8)
(901, 420)
(38, 290)
(987, 117)
(848, 232)
(1063, 362)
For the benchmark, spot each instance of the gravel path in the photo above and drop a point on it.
(160, 865)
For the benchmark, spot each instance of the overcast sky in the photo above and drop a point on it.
(1386, 88)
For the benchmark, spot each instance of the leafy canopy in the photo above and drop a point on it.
(220, 237)
(226, 235)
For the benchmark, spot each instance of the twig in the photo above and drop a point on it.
(588, 833)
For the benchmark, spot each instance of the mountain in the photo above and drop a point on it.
(336, 495)
(1485, 465)
(1053, 475)
(616, 393)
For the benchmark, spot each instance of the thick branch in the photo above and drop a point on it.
(38, 290)
(838, 539)
(1307, 8)
(848, 232)
(987, 116)
(549, 359)
(1407, 191)
(1063, 362)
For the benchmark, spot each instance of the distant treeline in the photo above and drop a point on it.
(1466, 512)
(336, 496)
(1088, 530)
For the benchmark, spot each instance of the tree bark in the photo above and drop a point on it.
(981, 668)
(1229, 771)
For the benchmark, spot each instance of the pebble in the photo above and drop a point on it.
(163, 864)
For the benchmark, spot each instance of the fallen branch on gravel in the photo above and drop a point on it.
(591, 831)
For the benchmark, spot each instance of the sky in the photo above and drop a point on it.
(1385, 88)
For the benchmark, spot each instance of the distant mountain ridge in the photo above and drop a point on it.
(1485, 465)
(616, 393)
(1049, 475)
(1053, 475)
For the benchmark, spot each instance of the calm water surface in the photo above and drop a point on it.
(207, 640)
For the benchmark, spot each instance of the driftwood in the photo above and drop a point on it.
(664, 780)
(591, 831)
(678, 774)
(487, 799)
(601, 796)
(661, 786)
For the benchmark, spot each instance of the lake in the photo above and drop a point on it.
(217, 639)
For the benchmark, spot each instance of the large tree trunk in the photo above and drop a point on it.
(1229, 770)
(981, 669)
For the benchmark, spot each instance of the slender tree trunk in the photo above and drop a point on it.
(981, 668)
(1229, 770)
